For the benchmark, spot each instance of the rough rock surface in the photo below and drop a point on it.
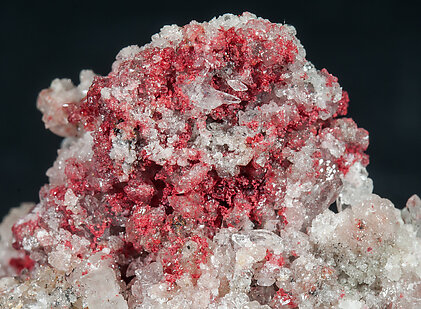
(198, 174)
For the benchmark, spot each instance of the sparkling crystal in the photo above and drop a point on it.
(198, 174)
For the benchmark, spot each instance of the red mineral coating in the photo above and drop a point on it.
(22, 263)
(160, 207)
(282, 299)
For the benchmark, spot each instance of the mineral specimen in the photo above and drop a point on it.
(199, 174)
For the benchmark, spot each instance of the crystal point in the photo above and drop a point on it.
(198, 174)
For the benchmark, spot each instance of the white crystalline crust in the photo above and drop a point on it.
(6, 237)
(211, 138)
(366, 256)
(62, 93)
(362, 257)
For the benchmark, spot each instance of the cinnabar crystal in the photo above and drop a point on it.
(198, 174)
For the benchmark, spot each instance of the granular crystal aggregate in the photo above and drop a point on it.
(198, 174)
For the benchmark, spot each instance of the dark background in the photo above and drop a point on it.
(374, 48)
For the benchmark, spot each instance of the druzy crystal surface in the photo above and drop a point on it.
(198, 174)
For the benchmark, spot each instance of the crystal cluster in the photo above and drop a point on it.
(198, 174)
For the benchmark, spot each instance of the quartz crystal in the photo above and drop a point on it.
(198, 174)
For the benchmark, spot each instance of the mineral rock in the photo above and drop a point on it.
(198, 174)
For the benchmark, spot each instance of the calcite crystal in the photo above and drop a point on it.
(198, 174)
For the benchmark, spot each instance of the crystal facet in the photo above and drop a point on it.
(198, 174)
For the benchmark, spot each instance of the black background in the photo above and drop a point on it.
(374, 48)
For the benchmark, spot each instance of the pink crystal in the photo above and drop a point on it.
(198, 174)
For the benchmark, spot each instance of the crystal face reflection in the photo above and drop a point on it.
(198, 174)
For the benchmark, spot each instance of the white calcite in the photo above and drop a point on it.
(236, 215)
